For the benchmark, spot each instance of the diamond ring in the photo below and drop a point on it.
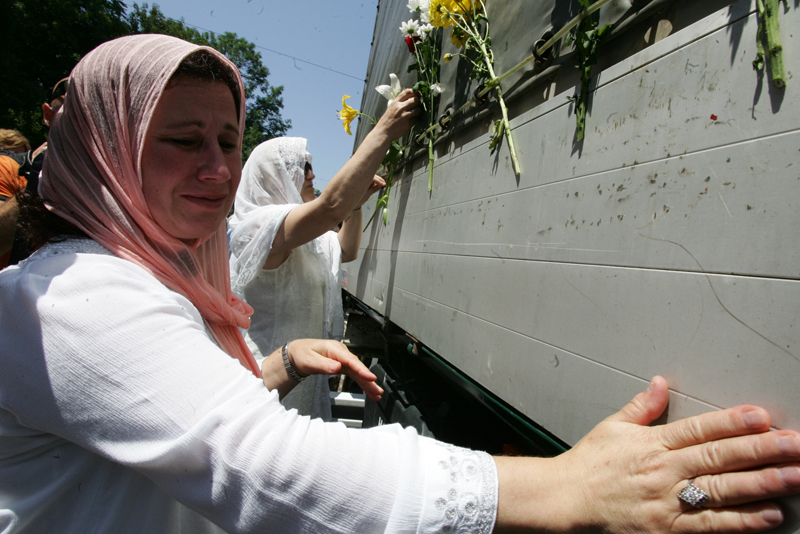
(693, 495)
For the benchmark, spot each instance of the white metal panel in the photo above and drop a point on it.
(666, 243)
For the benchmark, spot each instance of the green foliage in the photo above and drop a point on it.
(44, 40)
(474, 53)
(769, 31)
(388, 166)
(49, 37)
(264, 101)
(496, 136)
(586, 37)
(428, 54)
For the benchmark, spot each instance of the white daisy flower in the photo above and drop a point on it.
(419, 6)
(410, 28)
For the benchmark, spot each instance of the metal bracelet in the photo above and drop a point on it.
(287, 363)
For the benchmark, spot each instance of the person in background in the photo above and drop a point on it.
(29, 169)
(285, 261)
(13, 146)
(129, 401)
(14, 141)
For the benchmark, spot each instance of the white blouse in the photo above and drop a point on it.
(118, 413)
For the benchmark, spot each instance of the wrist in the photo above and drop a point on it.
(288, 364)
(537, 495)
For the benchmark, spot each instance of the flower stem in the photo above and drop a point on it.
(504, 109)
(773, 28)
(430, 163)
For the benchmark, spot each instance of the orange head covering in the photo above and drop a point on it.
(92, 177)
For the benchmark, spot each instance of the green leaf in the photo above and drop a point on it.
(496, 136)
(758, 62)
(393, 156)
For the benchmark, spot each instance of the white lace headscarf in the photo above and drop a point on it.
(270, 188)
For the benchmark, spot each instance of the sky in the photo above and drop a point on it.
(324, 36)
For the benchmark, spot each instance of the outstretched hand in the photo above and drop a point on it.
(400, 115)
(318, 357)
(625, 476)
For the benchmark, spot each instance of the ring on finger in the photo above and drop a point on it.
(693, 495)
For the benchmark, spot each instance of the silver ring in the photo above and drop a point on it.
(693, 495)
(415, 112)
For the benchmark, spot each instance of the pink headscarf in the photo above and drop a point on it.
(92, 177)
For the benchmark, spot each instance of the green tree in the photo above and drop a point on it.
(264, 101)
(44, 40)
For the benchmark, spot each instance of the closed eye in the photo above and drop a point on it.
(228, 147)
(188, 143)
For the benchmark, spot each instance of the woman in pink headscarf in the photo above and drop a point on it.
(127, 396)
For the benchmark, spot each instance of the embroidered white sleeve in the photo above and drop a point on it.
(461, 491)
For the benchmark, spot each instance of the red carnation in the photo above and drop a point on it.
(410, 42)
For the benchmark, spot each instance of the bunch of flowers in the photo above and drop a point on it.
(425, 43)
(469, 23)
(348, 114)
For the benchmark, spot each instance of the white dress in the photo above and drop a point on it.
(118, 413)
(290, 303)
(301, 299)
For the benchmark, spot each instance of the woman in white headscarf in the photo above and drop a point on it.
(285, 260)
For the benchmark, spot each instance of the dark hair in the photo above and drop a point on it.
(60, 88)
(203, 65)
(37, 225)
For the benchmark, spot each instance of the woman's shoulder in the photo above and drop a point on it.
(79, 265)
(77, 257)
(69, 246)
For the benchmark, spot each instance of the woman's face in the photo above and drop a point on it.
(191, 160)
(307, 191)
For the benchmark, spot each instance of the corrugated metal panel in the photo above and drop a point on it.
(665, 243)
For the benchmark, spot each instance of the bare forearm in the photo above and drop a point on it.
(9, 211)
(350, 236)
(530, 497)
(344, 191)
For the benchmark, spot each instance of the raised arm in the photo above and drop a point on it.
(350, 234)
(344, 192)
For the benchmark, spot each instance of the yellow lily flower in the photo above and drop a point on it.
(347, 115)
